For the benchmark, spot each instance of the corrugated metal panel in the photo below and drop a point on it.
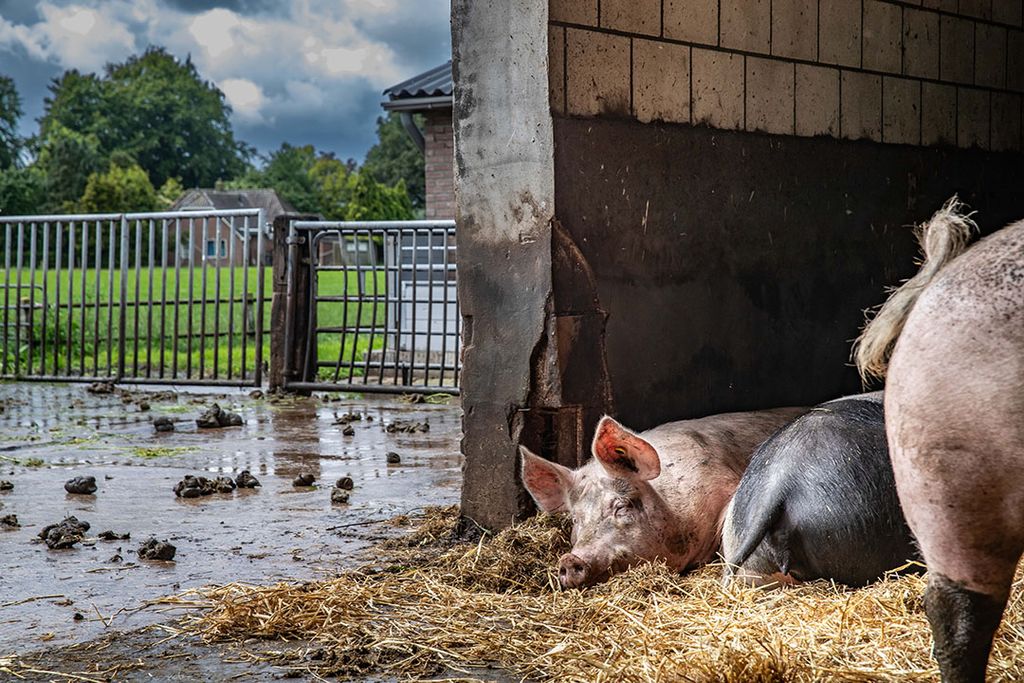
(434, 83)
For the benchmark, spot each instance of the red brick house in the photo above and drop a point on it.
(219, 240)
(430, 94)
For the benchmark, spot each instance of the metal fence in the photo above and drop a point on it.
(172, 297)
(383, 308)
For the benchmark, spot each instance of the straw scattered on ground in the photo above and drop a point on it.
(440, 607)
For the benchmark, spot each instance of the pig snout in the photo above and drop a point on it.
(573, 572)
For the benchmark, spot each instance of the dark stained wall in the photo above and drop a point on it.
(734, 267)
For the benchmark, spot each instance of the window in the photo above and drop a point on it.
(211, 248)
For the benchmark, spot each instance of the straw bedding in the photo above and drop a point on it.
(438, 607)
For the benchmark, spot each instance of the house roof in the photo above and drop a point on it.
(429, 90)
(272, 204)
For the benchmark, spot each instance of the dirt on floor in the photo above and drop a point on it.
(84, 607)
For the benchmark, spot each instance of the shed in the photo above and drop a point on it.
(672, 208)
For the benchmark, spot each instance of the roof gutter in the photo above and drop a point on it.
(418, 103)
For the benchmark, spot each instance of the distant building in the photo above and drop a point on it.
(222, 241)
(430, 94)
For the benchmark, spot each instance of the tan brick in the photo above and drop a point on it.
(817, 100)
(881, 36)
(1015, 60)
(1008, 11)
(956, 50)
(861, 113)
(944, 5)
(839, 34)
(661, 81)
(717, 88)
(770, 95)
(574, 11)
(1005, 121)
(597, 69)
(632, 16)
(976, 8)
(795, 29)
(990, 60)
(746, 25)
(920, 43)
(972, 118)
(692, 20)
(901, 110)
(556, 69)
(938, 114)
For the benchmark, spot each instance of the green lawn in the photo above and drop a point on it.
(190, 324)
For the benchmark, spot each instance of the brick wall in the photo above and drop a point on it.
(921, 72)
(439, 154)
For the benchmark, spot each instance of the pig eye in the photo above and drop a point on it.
(622, 506)
(619, 450)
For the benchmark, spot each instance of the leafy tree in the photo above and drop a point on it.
(66, 159)
(396, 157)
(123, 187)
(155, 108)
(331, 178)
(369, 200)
(22, 190)
(10, 112)
(169, 193)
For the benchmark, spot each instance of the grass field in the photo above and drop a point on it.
(192, 324)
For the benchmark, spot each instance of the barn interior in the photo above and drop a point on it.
(673, 208)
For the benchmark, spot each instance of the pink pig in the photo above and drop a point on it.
(656, 495)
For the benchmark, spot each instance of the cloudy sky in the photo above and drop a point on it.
(298, 71)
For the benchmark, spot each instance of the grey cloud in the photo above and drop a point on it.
(240, 6)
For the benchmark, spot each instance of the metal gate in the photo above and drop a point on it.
(172, 297)
(380, 307)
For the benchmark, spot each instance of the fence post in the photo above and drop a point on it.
(288, 332)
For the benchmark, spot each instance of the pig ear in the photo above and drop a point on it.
(548, 482)
(623, 453)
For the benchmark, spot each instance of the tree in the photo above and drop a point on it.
(124, 187)
(10, 112)
(155, 108)
(66, 159)
(169, 193)
(22, 190)
(396, 157)
(331, 178)
(369, 200)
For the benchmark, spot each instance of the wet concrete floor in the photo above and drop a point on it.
(50, 433)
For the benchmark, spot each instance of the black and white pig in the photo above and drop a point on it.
(818, 501)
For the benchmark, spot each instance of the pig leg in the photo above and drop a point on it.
(960, 512)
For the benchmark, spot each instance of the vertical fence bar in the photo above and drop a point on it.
(415, 286)
(82, 289)
(136, 302)
(245, 297)
(31, 295)
(111, 269)
(149, 300)
(202, 302)
(191, 293)
(7, 296)
(69, 357)
(430, 306)
(258, 374)
(163, 293)
(358, 327)
(217, 267)
(231, 289)
(397, 268)
(444, 309)
(17, 299)
(177, 295)
(98, 274)
(46, 301)
(122, 335)
(371, 272)
(59, 253)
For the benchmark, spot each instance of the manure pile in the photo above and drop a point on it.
(440, 608)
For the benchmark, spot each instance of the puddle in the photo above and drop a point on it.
(276, 531)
